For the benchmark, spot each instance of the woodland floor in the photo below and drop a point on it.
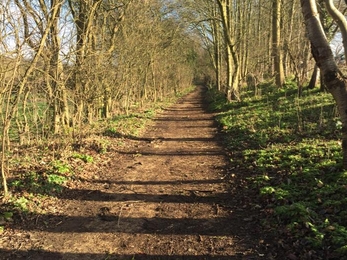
(169, 194)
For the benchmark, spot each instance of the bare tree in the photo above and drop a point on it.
(16, 94)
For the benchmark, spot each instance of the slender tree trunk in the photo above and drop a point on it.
(60, 102)
(217, 47)
(288, 38)
(276, 42)
(84, 14)
(314, 77)
(233, 69)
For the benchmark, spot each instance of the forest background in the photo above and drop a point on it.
(73, 68)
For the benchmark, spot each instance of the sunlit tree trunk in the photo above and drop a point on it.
(217, 47)
(276, 42)
(322, 53)
(232, 60)
(245, 17)
(60, 107)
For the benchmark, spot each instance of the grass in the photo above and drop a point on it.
(128, 125)
(289, 151)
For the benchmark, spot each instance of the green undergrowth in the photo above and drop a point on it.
(45, 180)
(128, 125)
(287, 149)
(34, 190)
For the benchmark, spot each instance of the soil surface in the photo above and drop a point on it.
(168, 194)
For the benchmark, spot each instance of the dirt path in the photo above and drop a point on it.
(162, 196)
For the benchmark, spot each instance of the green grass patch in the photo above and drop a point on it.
(41, 182)
(289, 149)
(84, 157)
(35, 181)
(31, 188)
(128, 125)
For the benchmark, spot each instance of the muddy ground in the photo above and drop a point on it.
(169, 194)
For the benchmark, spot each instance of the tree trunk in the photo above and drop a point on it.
(61, 115)
(232, 58)
(217, 48)
(314, 76)
(340, 20)
(335, 82)
(276, 42)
